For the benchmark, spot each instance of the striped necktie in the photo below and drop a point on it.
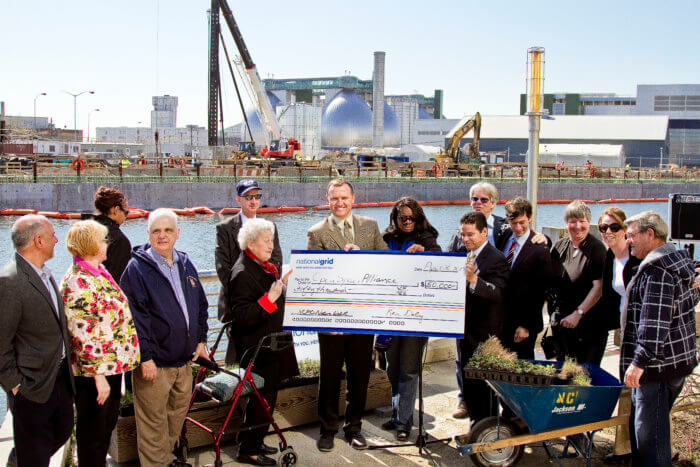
(511, 254)
(470, 257)
(347, 232)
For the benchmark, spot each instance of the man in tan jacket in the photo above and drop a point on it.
(343, 230)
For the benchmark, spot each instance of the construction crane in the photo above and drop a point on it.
(275, 145)
(453, 153)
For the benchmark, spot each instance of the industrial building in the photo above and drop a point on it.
(644, 138)
(680, 102)
(171, 139)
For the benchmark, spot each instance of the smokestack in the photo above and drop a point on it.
(378, 100)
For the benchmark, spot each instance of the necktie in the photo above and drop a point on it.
(347, 232)
(511, 254)
(470, 258)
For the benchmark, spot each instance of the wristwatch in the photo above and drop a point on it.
(579, 311)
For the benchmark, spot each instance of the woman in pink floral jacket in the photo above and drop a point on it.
(104, 341)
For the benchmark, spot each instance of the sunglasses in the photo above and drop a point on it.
(483, 200)
(406, 219)
(252, 197)
(614, 228)
(124, 210)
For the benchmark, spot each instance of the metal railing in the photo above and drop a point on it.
(183, 171)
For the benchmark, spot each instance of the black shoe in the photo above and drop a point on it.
(179, 463)
(325, 443)
(267, 450)
(617, 458)
(356, 440)
(260, 460)
(388, 426)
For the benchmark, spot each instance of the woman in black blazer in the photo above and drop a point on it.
(619, 267)
(257, 306)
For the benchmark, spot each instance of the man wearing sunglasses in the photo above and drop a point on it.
(483, 196)
(227, 249)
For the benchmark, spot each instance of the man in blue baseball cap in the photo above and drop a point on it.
(227, 249)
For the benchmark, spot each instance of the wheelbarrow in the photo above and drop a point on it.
(549, 411)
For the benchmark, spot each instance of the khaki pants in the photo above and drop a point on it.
(160, 408)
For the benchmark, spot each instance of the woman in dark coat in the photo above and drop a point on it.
(408, 231)
(257, 307)
(111, 210)
(619, 267)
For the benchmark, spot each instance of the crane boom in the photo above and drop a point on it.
(452, 152)
(268, 118)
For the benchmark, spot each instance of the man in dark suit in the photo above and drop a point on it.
(487, 274)
(530, 274)
(227, 248)
(34, 345)
(343, 230)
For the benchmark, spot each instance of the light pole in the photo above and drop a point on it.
(35, 98)
(535, 100)
(90, 113)
(75, 99)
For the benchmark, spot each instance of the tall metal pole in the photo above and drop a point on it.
(535, 96)
(213, 117)
(75, 106)
(35, 98)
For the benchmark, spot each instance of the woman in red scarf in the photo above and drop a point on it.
(256, 294)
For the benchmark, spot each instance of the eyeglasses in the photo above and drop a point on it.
(124, 210)
(614, 227)
(631, 234)
(252, 197)
(407, 219)
(483, 200)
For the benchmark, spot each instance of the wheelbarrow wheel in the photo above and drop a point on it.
(488, 430)
(287, 457)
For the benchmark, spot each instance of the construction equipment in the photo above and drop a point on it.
(275, 145)
(453, 153)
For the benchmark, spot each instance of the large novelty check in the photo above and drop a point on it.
(377, 292)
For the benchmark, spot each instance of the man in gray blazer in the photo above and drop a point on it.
(34, 347)
(227, 249)
(343, 230)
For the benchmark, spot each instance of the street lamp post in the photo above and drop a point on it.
(90, 113)
(535, 100)
(75, 99)
(35, 98)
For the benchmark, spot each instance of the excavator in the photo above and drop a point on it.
(453, 154)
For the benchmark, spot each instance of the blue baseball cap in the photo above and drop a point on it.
(244, 186)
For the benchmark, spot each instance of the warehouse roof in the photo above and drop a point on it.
(581, 127)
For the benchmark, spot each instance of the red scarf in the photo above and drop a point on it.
(267, 266)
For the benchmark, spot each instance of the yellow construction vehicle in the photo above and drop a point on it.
(454, 154)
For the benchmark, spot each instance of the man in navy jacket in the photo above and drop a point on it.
(170, 312)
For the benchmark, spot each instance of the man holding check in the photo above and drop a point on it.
(343, 231)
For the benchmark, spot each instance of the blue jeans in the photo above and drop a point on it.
(649, 424)
(403, 364)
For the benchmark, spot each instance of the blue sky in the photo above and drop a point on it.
(127, 51)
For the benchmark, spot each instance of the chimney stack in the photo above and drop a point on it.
(378, 100)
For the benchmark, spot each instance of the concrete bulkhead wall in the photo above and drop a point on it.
(77, 197)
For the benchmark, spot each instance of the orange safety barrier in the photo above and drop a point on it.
(203, 210)
(320, 207)
(386, 204)
(229, 211)
(17, 212)
(660, 200)
(437, 203)
(589, 201)
(646, 200)
(137, 214)
(267, 210)
(607, 201)
(366, 205)
(292, 209)
(52, 214)
(183, 212)
(502, 201)
(71, 215)
(461, 202)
